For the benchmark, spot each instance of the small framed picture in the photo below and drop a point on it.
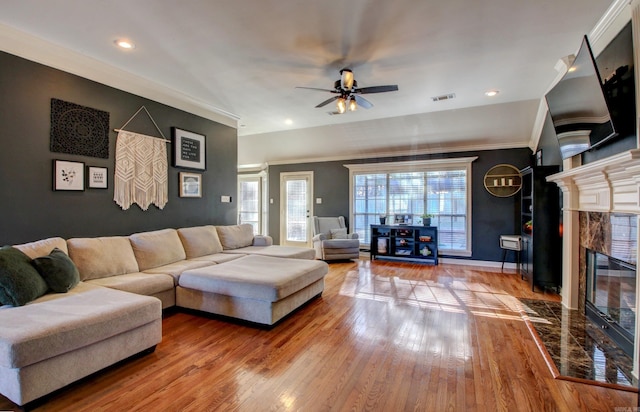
(190, 184)
(97, 177)
(189, 149)
(539, 157)
(68, 175)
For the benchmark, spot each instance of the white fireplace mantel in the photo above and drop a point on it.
(608, 185)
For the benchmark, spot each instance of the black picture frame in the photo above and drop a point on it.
(97, 177)
(188, 149)
(68, 175)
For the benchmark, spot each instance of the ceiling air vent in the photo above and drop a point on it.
(443, 97)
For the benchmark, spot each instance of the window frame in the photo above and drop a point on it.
(432, 165)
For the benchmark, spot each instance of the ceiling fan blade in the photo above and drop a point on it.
(378, 89)
(315, 88)
(362, 102)
(329, 100)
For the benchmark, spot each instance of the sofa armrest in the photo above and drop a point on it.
(353, 236)
(262, 240)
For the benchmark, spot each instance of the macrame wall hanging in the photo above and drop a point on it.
(141, 168)
(79, 130)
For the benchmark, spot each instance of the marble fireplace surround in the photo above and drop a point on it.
(610, 185)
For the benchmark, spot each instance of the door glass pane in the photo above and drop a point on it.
(250, 203)
(296, 212)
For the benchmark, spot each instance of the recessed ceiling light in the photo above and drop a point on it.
(288, 122)
(572, 69)
(124, 44)
(491, 93)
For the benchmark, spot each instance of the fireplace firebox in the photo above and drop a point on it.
(611, 297)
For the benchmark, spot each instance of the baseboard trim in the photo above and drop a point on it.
(468, 262)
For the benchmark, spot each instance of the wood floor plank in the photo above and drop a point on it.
(382, 337)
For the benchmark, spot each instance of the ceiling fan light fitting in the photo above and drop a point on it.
(353, 105)
(341, 105)
(346, 79)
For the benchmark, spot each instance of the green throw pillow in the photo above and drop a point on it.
(58, 270)
(20, 282)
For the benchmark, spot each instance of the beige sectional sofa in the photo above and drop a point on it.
(116, 310)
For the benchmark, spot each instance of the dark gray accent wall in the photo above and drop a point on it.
(31, 210)
(491, 216)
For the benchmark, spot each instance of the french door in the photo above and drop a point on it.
(296, 193)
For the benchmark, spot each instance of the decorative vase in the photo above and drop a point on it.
(383, 220)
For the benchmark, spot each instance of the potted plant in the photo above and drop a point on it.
(426, 219)
(383, 218)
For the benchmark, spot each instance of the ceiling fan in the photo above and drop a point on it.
(347, 93)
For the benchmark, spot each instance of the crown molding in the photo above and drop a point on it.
(396, 153)
(33, 48)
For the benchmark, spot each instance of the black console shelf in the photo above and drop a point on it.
(405, 243)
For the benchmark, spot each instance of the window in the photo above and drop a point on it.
(441, 188)
(251, 207)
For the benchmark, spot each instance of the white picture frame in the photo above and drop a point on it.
(190, 184)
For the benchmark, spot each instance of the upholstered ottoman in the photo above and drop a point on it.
(255, 288)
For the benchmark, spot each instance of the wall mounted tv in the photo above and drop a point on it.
(578, 107)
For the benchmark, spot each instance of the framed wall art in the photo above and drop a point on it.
(189, 149)
(97, 177)
(68, 175)
(190, 184)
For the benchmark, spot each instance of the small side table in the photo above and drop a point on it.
(511, 242)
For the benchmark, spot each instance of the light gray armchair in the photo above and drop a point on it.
(331, 240)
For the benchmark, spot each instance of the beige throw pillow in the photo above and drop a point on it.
(339, 233)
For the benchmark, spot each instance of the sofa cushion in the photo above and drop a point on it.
(58, 270)
(59, 323)
(102, 256)
(200, 241)
(157, 248)
(256, 277)
(235, 236)
(220, 257)
(139, 283)
(43, 247)
(20, 282)
(292, 252)
(175, 269)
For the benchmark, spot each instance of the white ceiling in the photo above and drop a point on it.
(243, 59)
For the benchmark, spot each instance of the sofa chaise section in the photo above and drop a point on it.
(62, 337)
(239, 239)
(260, 289)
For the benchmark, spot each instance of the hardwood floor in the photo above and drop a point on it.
(383, 337)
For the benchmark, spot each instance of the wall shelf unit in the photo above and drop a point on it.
(503, 180)
(405, 243)
(540, 222)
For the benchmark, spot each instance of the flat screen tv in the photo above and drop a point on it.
(578, 107)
